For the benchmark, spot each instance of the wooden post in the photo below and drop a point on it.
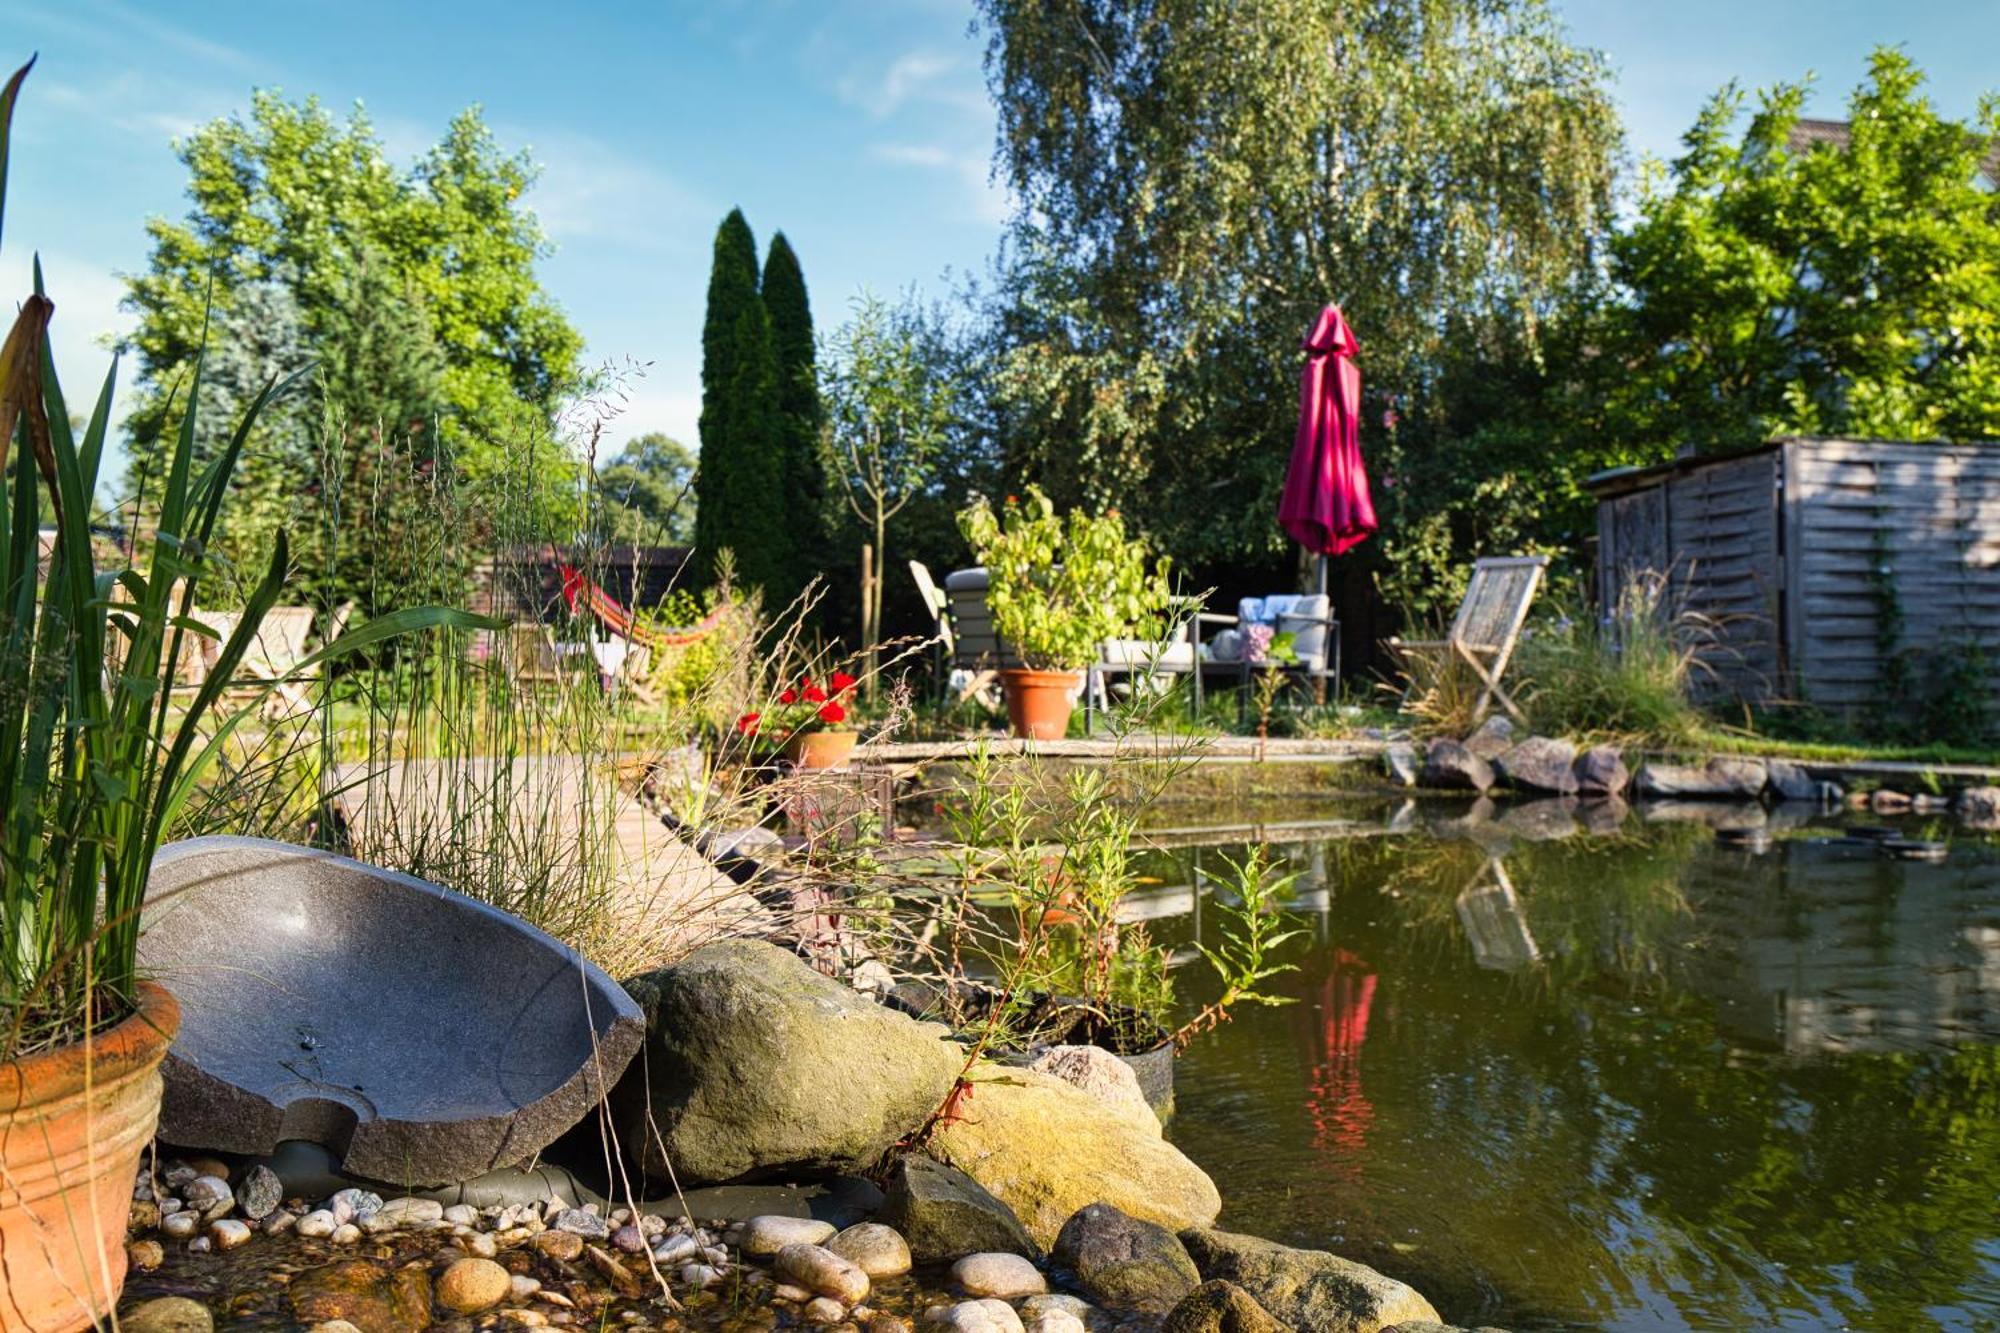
(869, 629)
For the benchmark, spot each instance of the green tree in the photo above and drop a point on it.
(1198, 177)
(797, 415)
(289, 194)
(892, 399)
(648, 491)
(740, 485)
(1842, 289)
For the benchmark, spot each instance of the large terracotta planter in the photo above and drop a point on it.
(821, 749)
(1039, 702)
(73, 1122)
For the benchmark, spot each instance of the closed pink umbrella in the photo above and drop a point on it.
(1326, 507)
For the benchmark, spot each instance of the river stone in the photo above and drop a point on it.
(470, 1286)
(819, 1269)
(997, 1275)
(875, 1249)
(1123, 1261)
(1046, 1149)
(259, 1193)
(167, 1314)
(1102, 1075)
(372, 1298)
(1220, 1307)
(1399, 764)
(1491, 738)
(987, 1316)
(1449, 765)
(943, 1213)
(1719, 779)
(1789, 782)
(208, 1194)
(406, 1212)
(757, 1066)
(1035, 1306)
(1978, 807)
(563, 1246)
(1540, 764)
(1055, 1321)
(1431, 1326)
(767, 1233)
(1306, 1288)
(1600, 771)
(1549, 819)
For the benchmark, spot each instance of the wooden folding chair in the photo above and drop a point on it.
(1488, 625)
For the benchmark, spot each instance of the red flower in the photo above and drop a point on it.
(842, 682)
(813, 693)
(747, 724)
(832, 713)
(789, 697)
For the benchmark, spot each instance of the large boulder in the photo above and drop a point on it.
(945, 1214)
(1718, 780)
(1306, 1288)
(1124, 1261)
(1047, 1149)
(1540, 764)
(1491, 738)
(1600, 771)
(1449, 764)
(1220, 1307)
(757, 1066)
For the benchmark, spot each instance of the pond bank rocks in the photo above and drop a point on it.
(755, 1066)
(944, 1213)
(1123, 1261)
(1306, 1288)
(1047, 1149)
(1720, 779)
(1220, 1307)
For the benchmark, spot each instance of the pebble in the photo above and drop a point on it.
(465, 1215)
(470, 1286)
(318, 1222)
(178, 1174)
(145, 1255)
(181, 1225)
(480, 1244)
(984, 1316)
(768, 1233)
(787, 1291)
(278, 1223)
(207, 1193)
(1070, 1305)
(408, 1211)
(560, 1245)
(167, 1314)
(996, 1274)
(345, 1234)
(260, 1192)
(228, 1233)
(200, 1245)
(334, 1326)
(1056, 1321)
(674, 1249)
(629, 1239)
(581, 1222)
(349, 1204)
(209, 1166)
(824, 1310)
(823, 1271)
(877, 1250)
(524, 1286)
(700, 1275)
(888, 1323)
(145, 1215)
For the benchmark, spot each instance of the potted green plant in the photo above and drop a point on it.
(98, 754)
(1058, 586)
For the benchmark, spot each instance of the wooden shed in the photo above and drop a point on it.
(1820, 560)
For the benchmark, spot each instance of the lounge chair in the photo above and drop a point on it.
(1488, 625)
(1315, 631)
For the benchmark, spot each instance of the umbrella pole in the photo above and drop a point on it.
(1333, 632)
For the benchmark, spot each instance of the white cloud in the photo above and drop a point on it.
(983, 198)
(915, 76)
(87, 316)
(590, 190)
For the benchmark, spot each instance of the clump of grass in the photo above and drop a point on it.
(1625, 674)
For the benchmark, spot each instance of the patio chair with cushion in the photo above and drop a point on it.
(1488, 625)
(1315, 641)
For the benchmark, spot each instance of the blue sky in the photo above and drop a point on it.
(861, 129)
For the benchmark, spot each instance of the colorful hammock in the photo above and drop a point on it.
(614, 617)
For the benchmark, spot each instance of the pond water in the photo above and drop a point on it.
(1636, 1081)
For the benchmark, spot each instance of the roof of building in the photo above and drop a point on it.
(1809, 134)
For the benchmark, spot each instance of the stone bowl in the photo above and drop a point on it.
(420, 1035)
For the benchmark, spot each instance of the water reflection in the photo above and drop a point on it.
(1631, 1082)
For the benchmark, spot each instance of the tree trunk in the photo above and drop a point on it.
(869, 618)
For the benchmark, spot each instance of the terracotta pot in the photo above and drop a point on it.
(821, 749)
(1039, 702)
(73, 1122)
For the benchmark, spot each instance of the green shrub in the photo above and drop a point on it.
(1627, 673)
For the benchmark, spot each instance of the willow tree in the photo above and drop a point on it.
(1195, 178)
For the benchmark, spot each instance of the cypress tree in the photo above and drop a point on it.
(721, 484)
(753, 524)
(797, 416)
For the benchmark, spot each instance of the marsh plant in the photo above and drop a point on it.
(1626, 672)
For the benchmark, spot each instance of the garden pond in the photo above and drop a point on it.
(1631, 1079)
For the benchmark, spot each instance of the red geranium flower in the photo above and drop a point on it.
(842, 682)
(747, 724)
(832, 713)
(789, 697)
(813, 693)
